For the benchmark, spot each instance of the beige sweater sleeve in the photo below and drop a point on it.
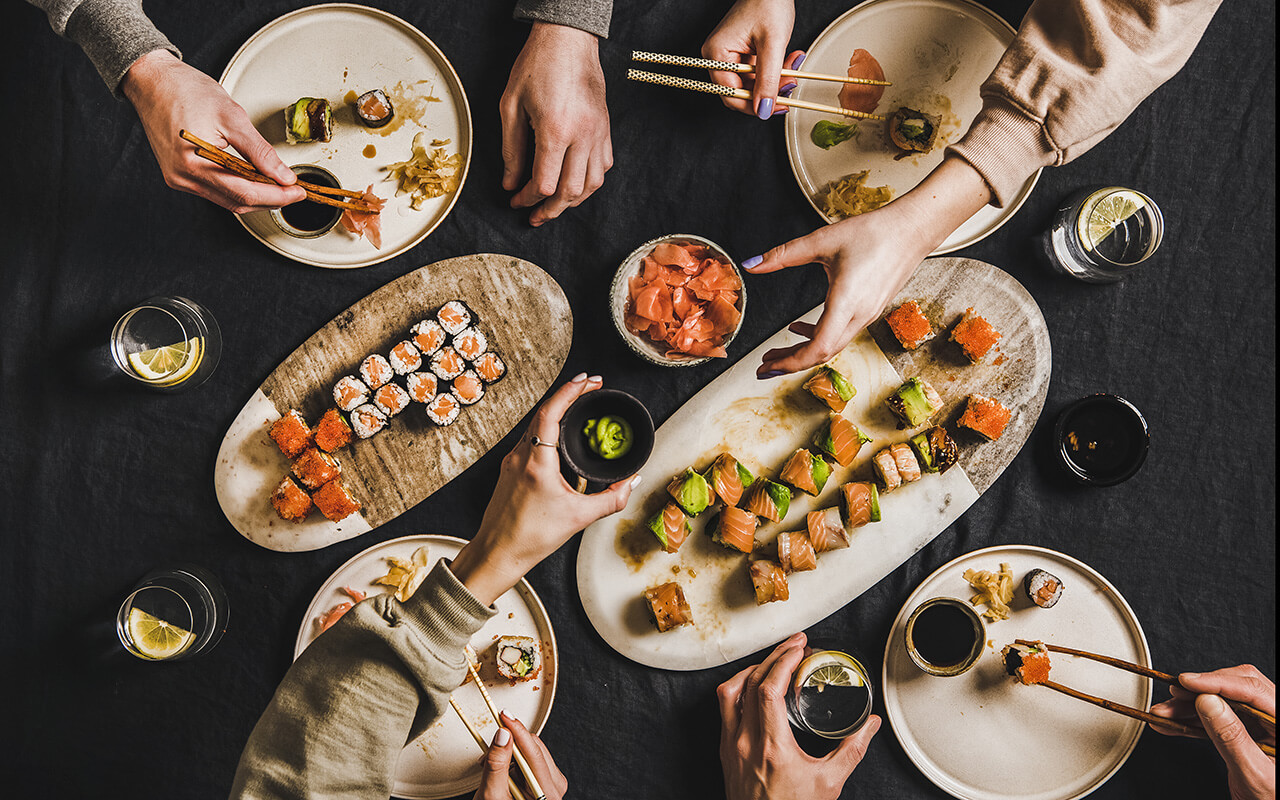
(1075, 71)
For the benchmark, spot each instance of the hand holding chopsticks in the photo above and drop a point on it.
(739, 94)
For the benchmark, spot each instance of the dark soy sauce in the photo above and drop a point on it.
(944, 635)
(833, 710)
(1102, 439)
(308, 215)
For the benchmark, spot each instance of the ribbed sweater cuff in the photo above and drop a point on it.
(443, 611)
(592, 16)
(1005, 145)
(114, 34)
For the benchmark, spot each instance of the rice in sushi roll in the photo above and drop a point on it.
(447, 364)
(366, 420)
(1044, 589)
(468, 388)
(490, 367)
(405, 358)
(519, 658)
(428, 336)
(470, 343)
(453, 316)
(349, 393)
(391, 399)
(422, 386)
(376, 371)
(443, 409)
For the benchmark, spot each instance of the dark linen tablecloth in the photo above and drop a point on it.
(97, 487)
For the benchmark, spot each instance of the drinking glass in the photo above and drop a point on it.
(830, 694)
(1101, 234)
(169, 344)
(173, 613)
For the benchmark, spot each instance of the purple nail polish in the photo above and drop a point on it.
(781, 110)
(773, 373)
(786, 91)
(753, 262)
(799, 60)
(766, 108)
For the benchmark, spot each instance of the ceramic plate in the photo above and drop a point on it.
(937, 53)
(339, 52)
(444, 760)
(984, 736)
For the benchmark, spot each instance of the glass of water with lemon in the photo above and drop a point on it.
(173, 613)
(1100, 234)
(169, 344)
(830, 694)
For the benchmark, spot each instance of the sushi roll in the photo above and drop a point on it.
(308, 119)
(728, 478)
(912, 131)
(374, 108)
(335, 501)
(454, 316)
(519, 658)
(691, 492)
(447, 364)
(290, 502)
(1029, 663)
(840, 439)
(909, 325)
(428, 337)
(905, 461)
(668, 606)
(768, 499)
(670, 526)
(443, 409)
(936, 449)
(349, 393)
(376, 371)
(887, 470)
(332, 432)
(490, 367)
(861, 503)
(914, 402)
(796, 552)
(366, 420)
(391, 399)
(468, 388)
(470, 342)
(806, 472)
(314, 468)
(422, 386)
(769, 581)
(1043, 588)
(405, 358)
(830, 387)
(827, 529)
(975, 336)
(291, 434)
(734, 528)
(984, 416)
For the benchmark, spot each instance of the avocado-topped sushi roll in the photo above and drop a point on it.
(769, 581)
(936, 449)
(335, 501)
(909, 325)
(366, 420)
(422, 386)
(827, 529)
(332, 432)
(350, 392)
(447, 364)
(308, 119)
(984, 416)
(840, 439)
(374, 108)
(830, 387)
(519, 658)
(691, 491)
(670, 526)
(444, 409)
(912, 131)
(376, 371)
(887, 470)
(728, 478)
(806, 472)
(861, 503)
(914, 402)
(1029, 663)
(405, 358)
(468, 388)
(314, 468)
(290, 502)
(291, 434)
(734, 528)
(471, 343)
(1044, 589)
(453, 316)
(768, 499)
(796, 552)
(490, 367)
(391, 399)
(975, 335)
(428, 337)
(668, 606)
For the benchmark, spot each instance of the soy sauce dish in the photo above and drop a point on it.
(1101, 440)
(605, 436)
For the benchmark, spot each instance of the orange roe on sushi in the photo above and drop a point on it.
(684, 299)
(291, 434)
(975, 335)
(335, 502)
(315, 468)
(985, 416)
(909, 324)
(332, 431)
(290, 502)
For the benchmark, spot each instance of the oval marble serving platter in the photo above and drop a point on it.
(762, 423)
(521, 310)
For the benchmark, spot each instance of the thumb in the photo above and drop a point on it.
(769, 57)
(794, 253)
(497, 762)
(1227, 733)
(613, 499)
(845, 758)
(245, 138)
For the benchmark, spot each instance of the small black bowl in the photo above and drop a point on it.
(1101, 440)
(581, 460)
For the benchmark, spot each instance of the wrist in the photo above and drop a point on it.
(551, 34)
(486, 577)
(145, 73)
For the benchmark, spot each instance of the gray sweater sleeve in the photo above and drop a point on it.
(591, 16)
(113, 33)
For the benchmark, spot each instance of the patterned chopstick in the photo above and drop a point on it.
(740, 94)
(730, 66)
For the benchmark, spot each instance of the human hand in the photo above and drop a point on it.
(556, 91)
(755, 31)
(170, 96)
(497, 763)
(758, 751)
(533, 510)
(1251, 773)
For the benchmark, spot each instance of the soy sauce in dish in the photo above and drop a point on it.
(308, 215)
(1102, 439)
(944, 635)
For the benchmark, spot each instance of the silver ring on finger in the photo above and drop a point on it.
(535, 441)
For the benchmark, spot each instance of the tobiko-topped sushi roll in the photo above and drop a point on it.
(335, 501)
(691, 491)
(728, 478)
(734, 528)
(471, 343)
(768, 499)
(332, 432)
(291, 434)
(468, 388)
(827, 529)
(428, 337)
(938, 452)
(769, 581)
(840, 439)
(290, 502)
(984, 416)
(350, 392)
(366, 420)
(861, 503)
(975, 335)
(314, 468)
(909, 325)
(308, 119)
(490, 367)
(806, 472)
(1029, 663)
(668, 606)
(914, 402)
(453, 316)
(376, 371)
(796, 553)
(405, 358)
(830, 387)
(374, 108)
(447, 364)
(670, 526)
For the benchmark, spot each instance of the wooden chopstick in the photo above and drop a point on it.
(525, 769)
(740, 94)
(516, 794)
(231, 158)
(730, 66)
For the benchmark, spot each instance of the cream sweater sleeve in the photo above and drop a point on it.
(1075, 71)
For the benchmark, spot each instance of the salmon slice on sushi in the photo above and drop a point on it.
(729, 479)
(769, 581)
(936, 449)
(366, 420)
(827, 529)
(454, 316)
(830, 387)
(349, 393)
(468, 388)
(840, 439)
(887, 470)
(768, 499)
(806, 472)
(796, 553)
(905, 461)
(404, 358)
(391, 399)
(428, 337)
(291, 434)
(734, 528)
(490, 367)
(670, 526)
(447, 363)
(691, 491)
(376, 371)
(668, 607)
(471, 343)
(443, 409)
(861, 503)
(421, 386)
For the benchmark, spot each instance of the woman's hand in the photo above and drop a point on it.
(497, 763)
(533, 510)
(758, 751)
(170, 96)
(755, 31)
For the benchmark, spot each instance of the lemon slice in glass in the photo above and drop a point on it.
(832, 671)
(154, 638)
(1103, 214)
(167, 365)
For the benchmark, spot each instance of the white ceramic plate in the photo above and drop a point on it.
(937, 53)
(339, 52)
(444, 760)
(984, 736)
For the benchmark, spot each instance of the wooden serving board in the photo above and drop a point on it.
(526, 318)
(762, 423)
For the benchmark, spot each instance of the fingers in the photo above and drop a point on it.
(833, 332)
(729, 696)
(794, 253)
(546, 422)
(769, 57)
(845, 758)
(773, 694)
(245, 138)
(751, 693)
(733, 80)
(610, 501)
(570, 188)
(536, 755)
(497, 765)
(515, 142)
(548, 162)
(1229, 736)
(1245, 684)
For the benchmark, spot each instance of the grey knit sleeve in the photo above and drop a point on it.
(591, 16)
(112, 33)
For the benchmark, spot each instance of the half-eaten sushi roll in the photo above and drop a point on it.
(405, 358)
(468, 388)
(291, 434)
(936, 449)
(806, 472)
(861, 503)
(350, 392)
(453, 316)
(768, 499)
(914, 402)
(984, 416)
(290, 502)
(444, 409)
(668, 606)
(391, 399)
(1044, 589)
(830, 387)
(691, 491)
(376, 371)
(975, 335)
(670, 526)
(769, 581)
(905, 461)
(374, 108)
(827, 529)
(366, 420)
(1029, 663)
(519, 658)
(428, 337)
(886, 470)
(490, 367)
(734, 528)
(728, 478)
(314, 468)
(308, 119)
(471, 343)
(422, 386)
(912, 131)
(332, 432)
(840, 439)
(335, 501)
(796, 552)
(447, 364)
(909, 325)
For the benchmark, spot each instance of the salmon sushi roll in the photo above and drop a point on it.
(909, 325)
(349, 393)
(422, 386)
(830, 387)
(332, 432)
(861, 503)
(668, 606)
(314, 468)
(769, 581)
(914, 402)
(840, 439)
(366, 420)
(728, 478)
(691, 491)
(291, 434)
(376, 371)
(936, 449)
(796, 552)
(335, 501)
(444, 409)
(428, 337)
(768, 499)
(905, 461)
(984, 416)
(391, 399)
(975, 336)
(290, 502)
(447, 364)
(405, 358)
(670, 526)
(468, 388)
(734, 528)
(827, 530)
(454, 316)
(887, 470)
(490, 367)
(471, 343)
(806, 472)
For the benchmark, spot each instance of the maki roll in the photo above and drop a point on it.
(796, 552)
(984, 416)
(519, 658)
(861, 503)
(769, 581)
(768, 499)
(806, 472)
(490, 367)
(422, 386)
(909, 325)
(335, 502)
(291, 434)
(366, 420)
(670, 526)
(1043, 588)
(454, 316)
(447, 364)
(443, 409)
(428, 336)
(827, 530)
(830, 387)
(936, 449)
(728, 478)
(315, 468)
(376, 371)
(349, 393)
(905, 461)
(309, 119)
(405, 358)
(914, 402)
(668, 606)
(912, 131)
(470, 343)
(975, 336)
(468, 388)
(332, 432)
(840, 439)
(374, 108)
(887, 470)
(1029, 663)
(691, 491)
(391, 399)
(734, 528)
(290, 502)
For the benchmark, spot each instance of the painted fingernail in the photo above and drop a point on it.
(765, 109)
(781, 110)
(635, 481)
(502, 738)
(799, 60)
(579, 378)
(503, 713)
(786, 91)
(773, 373)
(595, 379)
(753, 262)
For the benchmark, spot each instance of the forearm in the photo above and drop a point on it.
(113, 33)
(592, 16)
